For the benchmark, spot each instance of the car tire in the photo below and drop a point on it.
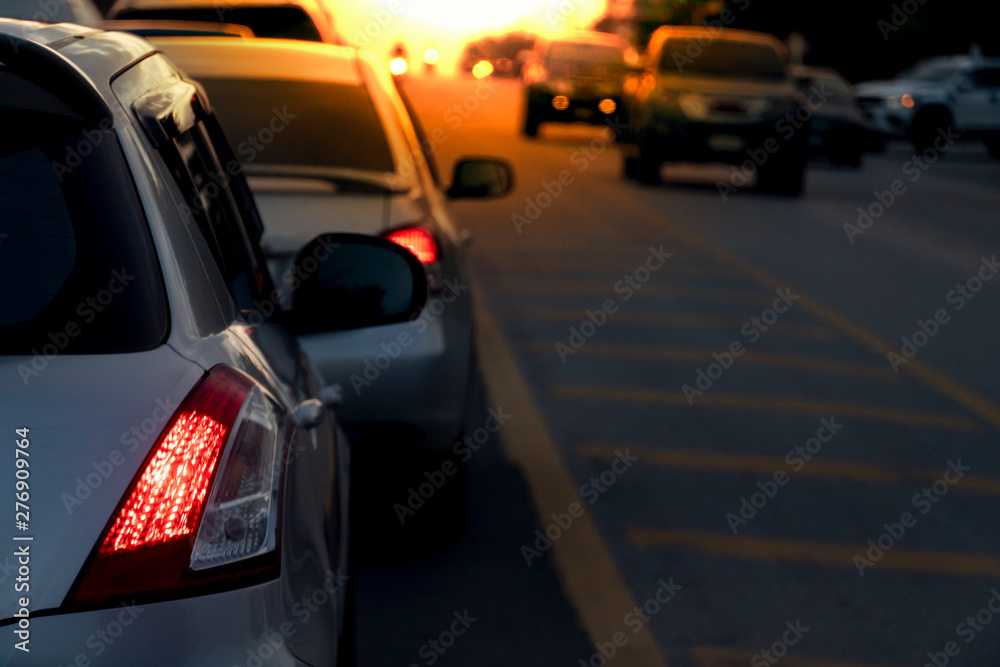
(785, 178)
(993, 145)
(926, 126)
(642, 168)
(531, 124)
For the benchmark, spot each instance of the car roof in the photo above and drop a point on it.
(97, 55)
(222, 57)
(732, 34)
(588, 37)
(227, 4)
(960, 61)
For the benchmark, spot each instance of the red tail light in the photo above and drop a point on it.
(151, 542)
(418, 240)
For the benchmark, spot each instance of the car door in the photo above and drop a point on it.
(977, 101)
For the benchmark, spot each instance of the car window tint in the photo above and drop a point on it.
(986, 78)
(289, 122)
(77, 266)
(205, 186)
(721, 57)
(54, 11)
(280, 22)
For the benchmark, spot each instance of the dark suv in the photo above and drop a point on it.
(575, 78)
(716, 95)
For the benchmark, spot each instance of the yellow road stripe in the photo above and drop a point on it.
(590, 575)
(800, 362)
(788, 404)
(597, 288)
(817, 553)
(676, 319)
(768, 465)
(943, 383)
(719, 657)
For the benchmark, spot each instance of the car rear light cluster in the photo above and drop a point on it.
(205, 498)
(419, 240)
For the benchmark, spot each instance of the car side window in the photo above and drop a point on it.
(206, 189)
(985, 78)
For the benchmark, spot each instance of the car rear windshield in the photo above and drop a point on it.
(309, 123)
(279, 22)
(721, 57)
(78, 273)
(585, 54)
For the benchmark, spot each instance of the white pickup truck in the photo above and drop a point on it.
(960, 92)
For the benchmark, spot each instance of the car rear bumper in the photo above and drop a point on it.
(688, 141)
(240, 627)
(582, 108)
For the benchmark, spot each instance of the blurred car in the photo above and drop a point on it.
(182, 475)
(343, 152)
(82, 12)
(499, 52)
(722, 99)
(307, 20)
(574, 78)
(957, 92)
(156, 28)
(838, 129)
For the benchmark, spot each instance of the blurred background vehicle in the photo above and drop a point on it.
(701, 99)
(574, 78)
(81, 12)
(957, 92)
(838, 129)
(308, 20)
(164, 28)
(139, 273)
(348, 157)
(500, 52)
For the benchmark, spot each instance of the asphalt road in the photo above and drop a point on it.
(706, 417)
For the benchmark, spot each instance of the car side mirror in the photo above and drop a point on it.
(478, 177)
(350, 281)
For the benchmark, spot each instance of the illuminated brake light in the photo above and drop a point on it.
(168, 497)
(206, 497)
(418, 241)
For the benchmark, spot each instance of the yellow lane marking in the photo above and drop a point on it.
(719, 657)
(767, 465)
(943, 383)
(755, 402)
(677, 319)
(800, 362)
(589, 573)
(595, 288)
(817, 553)
(595, 269)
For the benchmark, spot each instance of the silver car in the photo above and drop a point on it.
(327, 142)
(176, 491)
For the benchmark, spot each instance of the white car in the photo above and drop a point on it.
(327, 142)
(958, 94)
(176, 492)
